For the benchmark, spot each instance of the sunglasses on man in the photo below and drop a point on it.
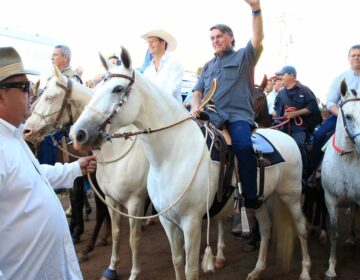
(24, 86)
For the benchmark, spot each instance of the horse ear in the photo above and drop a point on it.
(264, 82)
(125, 57)
(104, 62)
(343, 88)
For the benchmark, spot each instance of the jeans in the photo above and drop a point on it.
(240, 133)
(320, 137)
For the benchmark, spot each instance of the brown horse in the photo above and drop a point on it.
(260, 105)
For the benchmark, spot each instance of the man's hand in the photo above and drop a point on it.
(291, 114)
(87, 164)
(254, 4)
(195, 104)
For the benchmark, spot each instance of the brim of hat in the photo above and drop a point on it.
(15, 73)
(170, 40)
(279, 73)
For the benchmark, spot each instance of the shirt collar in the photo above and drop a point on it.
(6, 127)
(225, 53)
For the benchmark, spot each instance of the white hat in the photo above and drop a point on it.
(170, 40)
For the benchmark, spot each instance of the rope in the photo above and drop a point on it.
(56, 144)
(152, 216)
(297, 120)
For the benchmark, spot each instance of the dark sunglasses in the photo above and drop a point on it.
(24, 86)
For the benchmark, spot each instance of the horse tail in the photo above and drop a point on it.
(284, 234)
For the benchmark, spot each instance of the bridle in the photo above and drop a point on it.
(66, 104)
(352, 136)
(117, 107)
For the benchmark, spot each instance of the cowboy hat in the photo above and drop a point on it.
(11, 64)
(167, 37)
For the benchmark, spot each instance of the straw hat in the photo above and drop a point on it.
(11, 64)
(166, 36)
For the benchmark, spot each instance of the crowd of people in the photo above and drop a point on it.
(47, 252)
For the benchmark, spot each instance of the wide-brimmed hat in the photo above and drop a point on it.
(113, 55)
(166, 36)
(11, 64)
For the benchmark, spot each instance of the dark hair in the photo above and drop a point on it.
(162, 40)
(353, 48)
(224, 29)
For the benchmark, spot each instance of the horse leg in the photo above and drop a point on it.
(220, 258)
(136, 208)
(350, 241)
(323, 214)
(103, 240)
(110, 272)
(101, 213)
(331, 204)
(263, 217)
(77, 205)
(176, 239)
(192, 238)
(293, 204)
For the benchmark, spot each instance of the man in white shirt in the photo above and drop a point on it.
(276, 85)
(164, 69)
(35, 240)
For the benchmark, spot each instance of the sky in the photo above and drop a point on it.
(312, 35)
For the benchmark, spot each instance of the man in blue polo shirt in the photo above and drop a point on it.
(234, 71)
(297, 103)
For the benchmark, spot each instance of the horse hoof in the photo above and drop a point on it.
(109, 274)
(330, 277)
(82, 257)
(220, 263)
(101, 243)
(323, 238)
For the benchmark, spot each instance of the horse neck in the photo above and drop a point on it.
(158, 110)
(80, 97)
(341, 138)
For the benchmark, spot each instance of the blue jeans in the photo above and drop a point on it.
(320, 137)
(240, 133)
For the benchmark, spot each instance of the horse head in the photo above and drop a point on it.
(260, 105)
(111, 104)
(55, 108)
(350, 115)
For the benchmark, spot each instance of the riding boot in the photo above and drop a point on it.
(241, 227)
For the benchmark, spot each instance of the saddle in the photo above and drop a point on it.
(265, 152)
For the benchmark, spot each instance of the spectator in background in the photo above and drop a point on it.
(352, 79)
(164, 69)
(295, 100)
(276, 85)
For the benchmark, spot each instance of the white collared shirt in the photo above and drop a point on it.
(169, 75)
(35, 242)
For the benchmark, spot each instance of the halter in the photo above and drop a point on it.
(351, 135)
(66, 104)
(118, 106)
(345, 124)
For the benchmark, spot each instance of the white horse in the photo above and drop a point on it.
(125, 158)
(340, 167)
(182, 177)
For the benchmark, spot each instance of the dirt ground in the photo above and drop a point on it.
(155, 256)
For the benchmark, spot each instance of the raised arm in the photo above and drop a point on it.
(257, 23)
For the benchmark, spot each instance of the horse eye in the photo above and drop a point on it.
(117, 89)
(348, 117)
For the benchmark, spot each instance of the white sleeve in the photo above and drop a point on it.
(61, 175)
(175, 78)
